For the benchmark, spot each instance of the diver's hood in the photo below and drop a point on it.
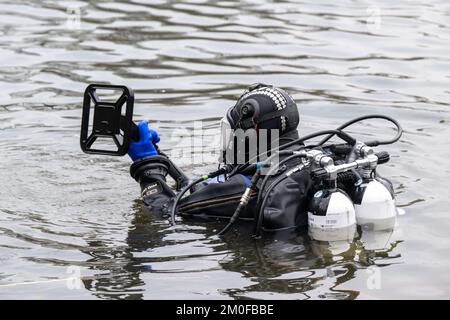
(264, 107)
(261, 116)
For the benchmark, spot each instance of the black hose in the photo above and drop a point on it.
(331, 132)
(242, 203)
(179, 196)
(233, 219)
(258, 222)
(190, 185)
(271, 171)
(371, 116)
(267, 176)
(252, 187)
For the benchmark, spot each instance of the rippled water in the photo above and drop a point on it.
(64, 213)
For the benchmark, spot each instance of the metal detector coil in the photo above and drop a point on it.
(111, 120)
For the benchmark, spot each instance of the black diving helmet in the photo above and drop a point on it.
(255, 123)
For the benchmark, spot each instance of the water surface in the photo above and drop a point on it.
(63, 212)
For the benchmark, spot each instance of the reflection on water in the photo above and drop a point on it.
(188, 60)
(290, 265)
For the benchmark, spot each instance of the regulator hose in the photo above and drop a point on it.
(344, 136)
(179, 196)
(242, 203)
(373, 143)
(267, 176)
(331, 133)
(258, 221)
(259, 216)
(250, 189)
(189, 186)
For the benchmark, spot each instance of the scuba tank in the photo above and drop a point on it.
(374, 204)
(331, 214)
(373, 198)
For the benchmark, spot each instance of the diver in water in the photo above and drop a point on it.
(261, 107)
(266, 172)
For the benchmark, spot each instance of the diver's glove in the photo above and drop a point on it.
(145, 147)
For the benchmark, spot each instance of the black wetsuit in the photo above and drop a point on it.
(286, 204)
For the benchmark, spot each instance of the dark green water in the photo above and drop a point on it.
(64, 213)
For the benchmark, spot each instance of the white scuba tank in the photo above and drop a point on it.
(331, 216)
(375, 206)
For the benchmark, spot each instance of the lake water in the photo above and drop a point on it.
(66, 215)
